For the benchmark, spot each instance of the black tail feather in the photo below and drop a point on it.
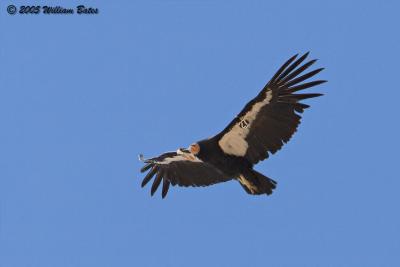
(255, 183)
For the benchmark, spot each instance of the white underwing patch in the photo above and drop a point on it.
(234, 141)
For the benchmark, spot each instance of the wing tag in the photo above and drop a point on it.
(244, 124)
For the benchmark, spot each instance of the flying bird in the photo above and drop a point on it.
(261, 128)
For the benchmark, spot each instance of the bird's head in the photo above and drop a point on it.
(190, 153)
(194, 148)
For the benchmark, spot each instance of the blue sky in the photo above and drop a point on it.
(82, 96)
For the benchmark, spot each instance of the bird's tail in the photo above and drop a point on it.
(255, 183)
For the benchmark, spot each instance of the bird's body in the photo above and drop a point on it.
(262, 127)
(211, 152)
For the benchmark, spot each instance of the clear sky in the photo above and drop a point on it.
(82, 96)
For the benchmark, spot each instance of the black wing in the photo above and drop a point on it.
(269, 120)
(183, 169)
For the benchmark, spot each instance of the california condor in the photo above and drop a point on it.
(262, 127)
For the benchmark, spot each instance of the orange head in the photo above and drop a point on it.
(194, 148)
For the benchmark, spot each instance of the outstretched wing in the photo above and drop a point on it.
(269, 120)
(183, 169)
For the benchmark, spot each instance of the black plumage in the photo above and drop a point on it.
(261, 128)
